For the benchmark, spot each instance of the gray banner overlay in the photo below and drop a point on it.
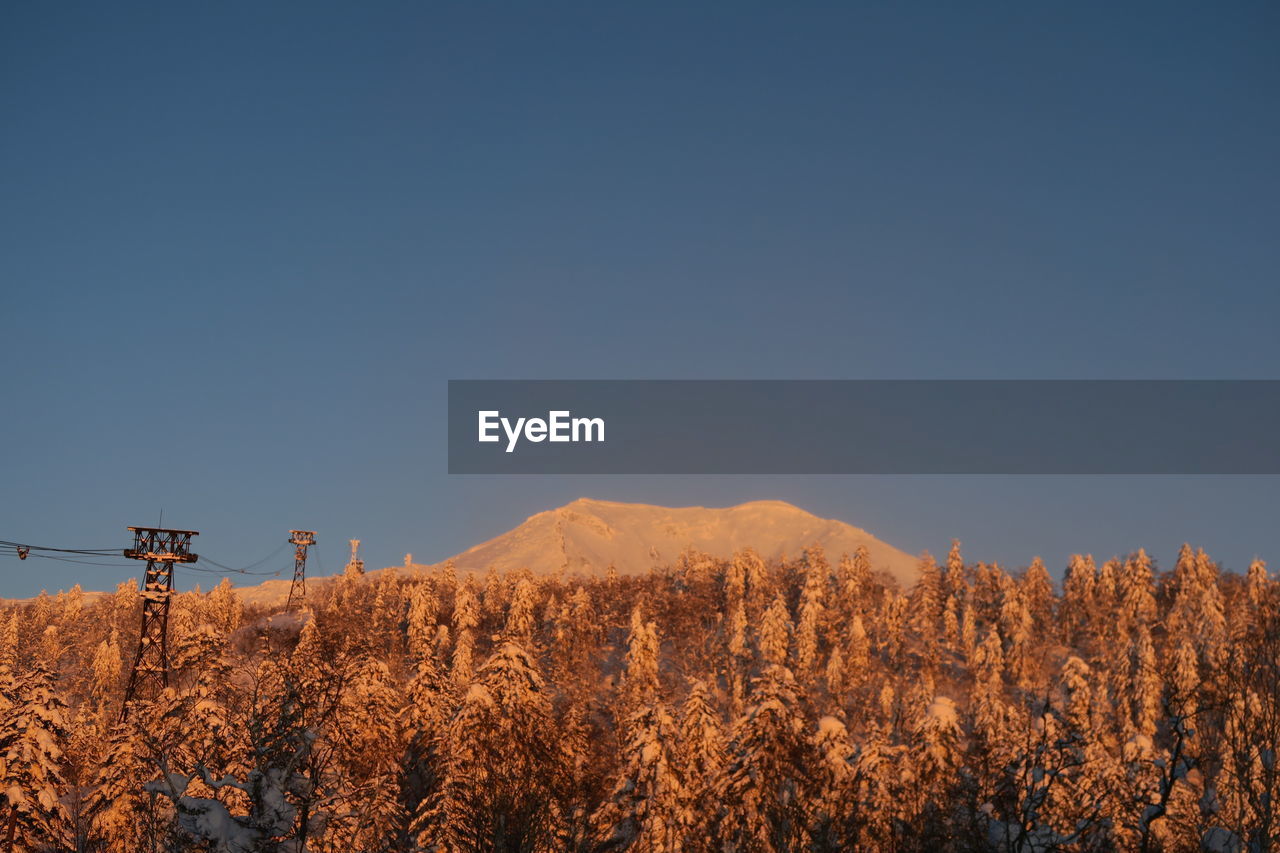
(870, 427)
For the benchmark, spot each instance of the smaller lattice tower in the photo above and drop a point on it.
(355, 566)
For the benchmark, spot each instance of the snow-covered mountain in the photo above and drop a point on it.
(589, 535)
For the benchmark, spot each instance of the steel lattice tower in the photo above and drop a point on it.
(161, 548)
(355, 565)
(300, 539)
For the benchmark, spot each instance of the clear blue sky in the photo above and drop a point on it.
(243, 246)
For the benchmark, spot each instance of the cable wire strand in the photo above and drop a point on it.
(224, 572)
(93, 552)
(206, 559)
(78, 562)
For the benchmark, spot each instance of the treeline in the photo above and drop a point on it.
(715, 705)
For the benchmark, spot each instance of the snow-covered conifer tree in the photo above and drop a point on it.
(1037, 593)
(1017, 626)
(753, 569)
(33, 734)
(521, 614)
(701, 752)
(926, 598)
(107, 666)
(387, 611)
(835, 673)
(223, 608)
(1184, 683)
(1078, 693)
(1197, 613)
(987, 595)
(877, 792)
(640, 679)
(466, 616)
(424, 723)
(363, 789)
(934, 758)
(854, 582)
(775, 632)
(989, 710)
(811, 616)
(123, 816)
(424, 611)
(646, 811)
(1077, 598)
(493, 600)
(968, 632)
(956, 577)
(951, 624)
(739, 656)
(1136, 589)
(832, 798)
(764, 787)
(501, 765)
(735, 581)
(9, 641)
(1144, 684)
(1257, 583)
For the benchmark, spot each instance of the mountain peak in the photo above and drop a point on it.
(585, 503)
(772, 504)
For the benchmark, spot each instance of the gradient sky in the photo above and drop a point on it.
(243, 246)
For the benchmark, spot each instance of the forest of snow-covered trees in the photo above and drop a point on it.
(715, 705)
